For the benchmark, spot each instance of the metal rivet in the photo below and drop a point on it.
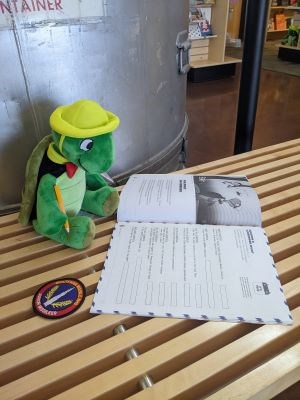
(145, 381)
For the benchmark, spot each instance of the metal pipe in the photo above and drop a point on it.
(254, 38)
(145, 381)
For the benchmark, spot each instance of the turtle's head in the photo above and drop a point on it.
(82, 134)
(94, 155)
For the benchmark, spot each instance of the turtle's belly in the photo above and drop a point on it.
(72, 190)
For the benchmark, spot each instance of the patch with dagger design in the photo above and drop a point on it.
(59, 298)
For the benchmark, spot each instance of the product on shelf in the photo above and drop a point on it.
(200, 22)
(280, 22)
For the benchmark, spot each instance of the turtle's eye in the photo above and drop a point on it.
(86, 144)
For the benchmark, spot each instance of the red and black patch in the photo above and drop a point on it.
(59, 298)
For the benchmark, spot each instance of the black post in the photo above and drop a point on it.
(254, 37)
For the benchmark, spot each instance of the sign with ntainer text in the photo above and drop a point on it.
(27, 12)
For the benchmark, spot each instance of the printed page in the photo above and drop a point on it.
(191, 271)
(201, 199)
(158, 198)
(226, 200)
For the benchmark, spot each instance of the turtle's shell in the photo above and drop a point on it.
(31, 178)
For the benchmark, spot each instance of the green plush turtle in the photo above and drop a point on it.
(63, 174)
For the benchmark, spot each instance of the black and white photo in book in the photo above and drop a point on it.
(226, 201)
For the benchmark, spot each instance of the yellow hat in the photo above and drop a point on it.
(82, 119)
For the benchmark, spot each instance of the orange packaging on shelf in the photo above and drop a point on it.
(280, 22)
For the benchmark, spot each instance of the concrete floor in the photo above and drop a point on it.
(212, 111)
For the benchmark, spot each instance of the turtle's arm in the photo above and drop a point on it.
(95, 181)
(99, 198)
(49, 216)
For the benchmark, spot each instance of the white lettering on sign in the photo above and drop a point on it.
(26, 12)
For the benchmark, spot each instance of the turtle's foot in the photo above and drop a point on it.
(80, 235)
(111, 203)
(103, 202)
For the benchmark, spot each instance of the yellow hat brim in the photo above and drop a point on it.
(59, 125)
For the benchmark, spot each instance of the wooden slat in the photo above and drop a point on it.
(15, 312)
(36, 328)
(271, 188)
(24, 360)
(280, 197)
(93, 359)
(282, 229)
(201, 377)
(19, 311)
(16, 290)
(271, 171)
(13, 230)
(29, 252)
(286, 167)
(291, 290)
(26, 251)
(265, 381)
(188, 343)
(17, 233)
(285, 247)
(51, 260)
(288, 147)
(279, 213)
(289, 268)
(241, 165)
(8, 219)
(191, 381)
(30, 237)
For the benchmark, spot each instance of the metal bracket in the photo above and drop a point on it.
(183, 44)
(183, 153)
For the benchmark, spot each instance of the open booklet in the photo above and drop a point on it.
(191, 247)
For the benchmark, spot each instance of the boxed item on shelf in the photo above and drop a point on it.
(280, 22)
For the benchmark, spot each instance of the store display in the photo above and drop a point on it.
(284, 25)
(281, 16)
(207, 31)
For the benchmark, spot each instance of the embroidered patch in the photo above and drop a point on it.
(59, 298)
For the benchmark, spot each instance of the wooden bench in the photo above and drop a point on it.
(79, 357)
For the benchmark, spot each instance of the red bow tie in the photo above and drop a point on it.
(71, 169)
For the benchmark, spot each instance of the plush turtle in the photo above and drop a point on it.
(63, 174)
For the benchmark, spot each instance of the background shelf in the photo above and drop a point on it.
(210, 51)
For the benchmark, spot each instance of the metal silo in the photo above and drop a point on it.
(124, 54)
